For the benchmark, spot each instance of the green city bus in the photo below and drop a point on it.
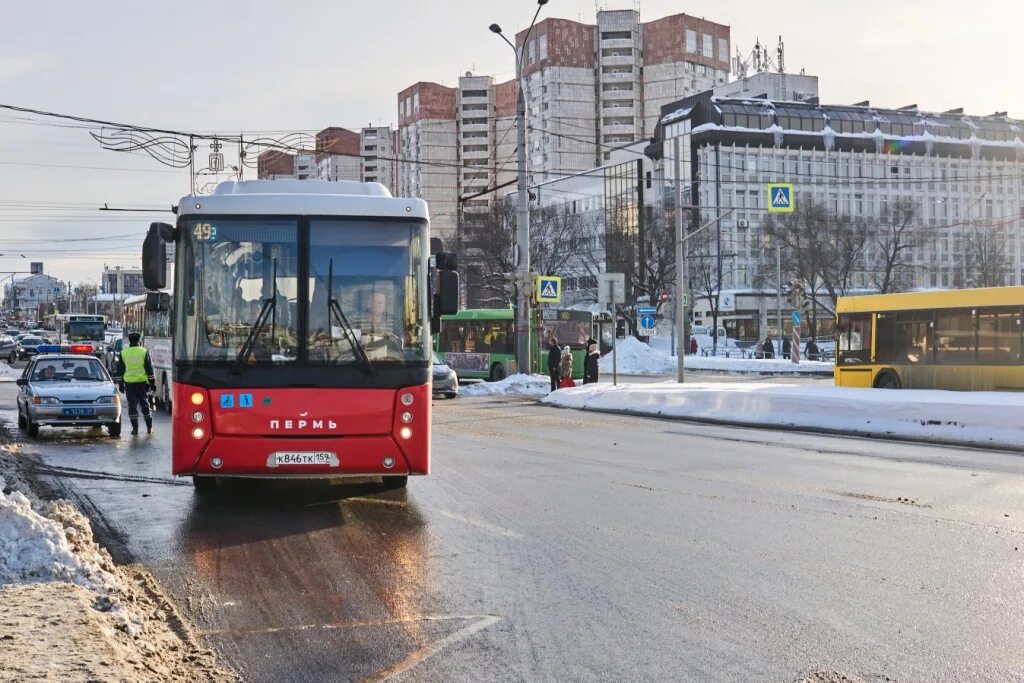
(481, 343)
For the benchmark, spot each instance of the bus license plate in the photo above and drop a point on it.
(79, 411)
(321, 458)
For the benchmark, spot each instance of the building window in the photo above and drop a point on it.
(531, 52)
(416, 102)
(543, 40)
(723, 50)
(474, 93)
(616, 35)
(691, 41)
(709, 46)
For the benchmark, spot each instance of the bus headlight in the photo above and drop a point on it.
(407, 399)
(197, 398)
(405, 433)
(198, 416)
(407, 417)
(198, 433)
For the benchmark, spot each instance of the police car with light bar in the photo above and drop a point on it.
(66, 386)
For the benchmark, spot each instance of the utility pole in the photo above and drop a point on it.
(681, 348)
(523, 313)
(522, 229)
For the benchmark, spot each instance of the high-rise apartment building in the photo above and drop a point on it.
(338, 155)
(589, 88)
(377, 149)
(428, 164)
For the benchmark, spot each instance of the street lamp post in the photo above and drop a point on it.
(523, 350)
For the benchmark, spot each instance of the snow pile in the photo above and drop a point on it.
(987, 418)
(760, 366)
(33, 547)
(523, 385)
(7, 371)
(637, 358)
(58, 546)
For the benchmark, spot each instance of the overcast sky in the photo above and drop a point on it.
(306, 65)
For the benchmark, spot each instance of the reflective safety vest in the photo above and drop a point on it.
(134, 358)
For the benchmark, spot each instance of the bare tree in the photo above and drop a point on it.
(486, 245)
(985, 252)
(896, 239)
(705, 276)
(821, 249)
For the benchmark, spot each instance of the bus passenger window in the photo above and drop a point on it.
(954, 338)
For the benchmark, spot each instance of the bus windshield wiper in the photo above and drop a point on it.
(267, 312)
(334, 309)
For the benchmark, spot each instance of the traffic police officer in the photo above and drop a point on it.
(135, 371)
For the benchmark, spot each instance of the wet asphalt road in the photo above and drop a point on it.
(555, 545)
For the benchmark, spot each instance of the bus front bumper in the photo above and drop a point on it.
(326, 457)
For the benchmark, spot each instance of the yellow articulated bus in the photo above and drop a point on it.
(965, 339)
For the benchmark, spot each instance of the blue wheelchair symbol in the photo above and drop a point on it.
(227, 400)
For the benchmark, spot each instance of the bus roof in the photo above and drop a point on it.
(482, 314)
(302, 198)
(944, 298)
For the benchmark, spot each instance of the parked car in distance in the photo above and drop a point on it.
(67, 390)
(8, 348)
(446, 383)
(27, 346)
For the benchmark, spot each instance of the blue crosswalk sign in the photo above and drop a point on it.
(780, 198)
(549, 289)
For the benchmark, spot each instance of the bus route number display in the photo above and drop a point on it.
(205, 232)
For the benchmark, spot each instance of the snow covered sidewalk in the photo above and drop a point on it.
(637, 358)
(992, 419)
(67, 612)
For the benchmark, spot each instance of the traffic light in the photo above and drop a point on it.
(796, 294)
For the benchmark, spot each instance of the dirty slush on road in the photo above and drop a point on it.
(67, 611)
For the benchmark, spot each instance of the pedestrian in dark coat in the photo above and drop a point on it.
(767, 350)
(811, 350)
(786, 347)
(554, 359)
(591, 367)
(693, 346)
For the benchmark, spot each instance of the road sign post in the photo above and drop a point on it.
(794, 353)
(646, 320)
(611, 291)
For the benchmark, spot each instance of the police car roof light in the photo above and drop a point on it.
(80, 348)
(46, 348)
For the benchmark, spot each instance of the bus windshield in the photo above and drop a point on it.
(85, 331)
(364, 292)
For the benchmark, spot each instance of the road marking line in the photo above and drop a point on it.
(428, 651)
(494, 529)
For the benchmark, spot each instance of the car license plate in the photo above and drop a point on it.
(321, 458)
(79, 411)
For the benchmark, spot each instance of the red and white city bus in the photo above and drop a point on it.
(301, 330)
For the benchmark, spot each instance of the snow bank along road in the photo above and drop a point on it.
(987, 419)
(67, 612)
(637, 358)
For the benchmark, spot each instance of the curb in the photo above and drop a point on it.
(967, 445)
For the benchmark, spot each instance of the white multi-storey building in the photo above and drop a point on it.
(377, 149)
(962, 175)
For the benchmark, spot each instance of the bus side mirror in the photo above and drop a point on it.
(154, 255)
(447, 261)
(157, 302)
(448, 293)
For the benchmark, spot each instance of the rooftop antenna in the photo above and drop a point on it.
(781, 50)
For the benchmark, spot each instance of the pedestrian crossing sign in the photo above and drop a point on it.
(549, 289)
(780, 198)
